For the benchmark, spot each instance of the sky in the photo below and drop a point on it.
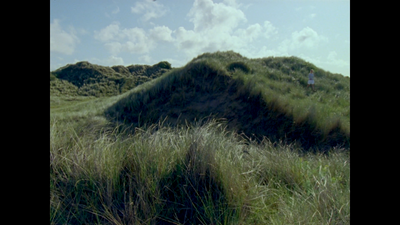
(128, 32)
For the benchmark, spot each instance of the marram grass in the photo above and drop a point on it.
(249, 91)
(200, 173)
(190, 175)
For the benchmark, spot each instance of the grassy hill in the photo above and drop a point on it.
(131, 158)
(86, 79)
(260, 97)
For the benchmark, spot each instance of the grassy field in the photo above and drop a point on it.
(108, 170)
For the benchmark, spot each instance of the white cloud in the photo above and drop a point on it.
(215, 28)
(161, 33)
(136, 41)
(108, 33)
(137, 35)
(252, 32)
(62, 41)
(270, 30)
(219, 27)
(149, 8)
(116, 40)
(185, 38)
(209, 16)
(306, 38)
(333, 60)
(113, 60)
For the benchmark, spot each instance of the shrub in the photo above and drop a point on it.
(164, 65)
(238, 65)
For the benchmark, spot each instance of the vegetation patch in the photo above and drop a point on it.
(198, 174)
(202, 145)
(164, 65)
(95, 80)
(204, 89)
(238, 65)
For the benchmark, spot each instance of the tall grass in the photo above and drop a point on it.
(106, 172)
(198, 174)
(271, 87)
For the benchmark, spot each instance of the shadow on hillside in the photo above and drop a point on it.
(199, 91)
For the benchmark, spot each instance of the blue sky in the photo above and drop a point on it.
(122, 32)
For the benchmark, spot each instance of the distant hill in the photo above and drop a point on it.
(265, 97)
(86, 79)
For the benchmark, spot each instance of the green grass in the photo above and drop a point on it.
(86, 79)
(144, 170)
(272, 88)
(200, 174)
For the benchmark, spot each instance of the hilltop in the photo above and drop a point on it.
(87, 79)
(259, 98)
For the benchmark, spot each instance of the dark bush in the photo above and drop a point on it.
(238, 65)
(164, 65)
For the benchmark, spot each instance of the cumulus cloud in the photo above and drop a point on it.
(270, 30)
(62, 41)
(306, 38)
(215, 27)
(219, 26)
(333, 60)
(131, 40)
(186, 39)
(209, 16)
(161, 33)
(149, 8)
(108, 33)
(250, 33)
(114, 60)
(145, 59)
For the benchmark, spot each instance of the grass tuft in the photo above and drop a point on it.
(238, 65)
